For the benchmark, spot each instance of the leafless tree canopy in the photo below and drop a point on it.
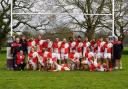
(5, 17)
(75, 17)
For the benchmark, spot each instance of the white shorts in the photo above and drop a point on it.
(86, 62)
(80, 55)
(107, 55)
(41, 62)
(50, 61)
(56, 55)
(34, 65)
(64, 56)
(100, 55)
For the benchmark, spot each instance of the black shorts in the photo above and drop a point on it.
(117, 57)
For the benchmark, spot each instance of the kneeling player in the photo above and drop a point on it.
(33, 59)
(20, 60)
(74, 57)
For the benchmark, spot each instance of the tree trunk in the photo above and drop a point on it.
(90, 33)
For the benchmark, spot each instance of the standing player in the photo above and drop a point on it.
(16, 47)
(64, 50)
(86, 45)
(108, 52)
(56, 48)
(100, 50)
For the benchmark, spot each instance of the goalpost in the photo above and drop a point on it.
(113, 17)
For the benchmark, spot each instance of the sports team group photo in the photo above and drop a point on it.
(102, 54)
(63, 44)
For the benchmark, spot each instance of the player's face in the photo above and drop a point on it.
(23, 37)
(32, 49)
(57, 39)
(48, 40)
(64, 40)
(101, 39)
(17, 40)
(73, 51)
(107, 39)
(86, 39)
(39, 37)
(116, 39)
(74, 39)
(93, 40)
(79, 39)
(21, 52)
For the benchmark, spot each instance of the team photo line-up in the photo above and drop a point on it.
(100, 54)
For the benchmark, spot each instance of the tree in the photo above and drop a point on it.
(121, 18)
(27, 22)
(23, 6)
(90, 22)
(5, 19)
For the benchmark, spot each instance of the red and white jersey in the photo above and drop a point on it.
(49, 48)
(42, 57)
(41, 44)
(15, 44)
(37, 41)
(63, 67)
(51, 56)
(100, 46)
(64, 48)
(72, 46)
(45, 44)
(79, 47)
(90, 57)
(33, 56)
(31, 43)
(92, 43)
(74, 56)
(56, 46)
(108, 47)
(20, 58)
(86, 44)
(95, 48)
(47, 54)
(85, 48)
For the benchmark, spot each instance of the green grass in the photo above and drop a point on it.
(63, 80)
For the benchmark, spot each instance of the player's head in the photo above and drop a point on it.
(73, 50)
(39, 37)
(101, 39)
(86, 38)
(79, 38)
(93, 39)
(57, 39)
(32, 49)
(21, 52)
(17, 40)
(23, 37)
(70, 39)
(115, 38)
(107, 39)
(48, 40)
(64, 40)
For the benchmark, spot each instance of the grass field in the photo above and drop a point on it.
(63, 80)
